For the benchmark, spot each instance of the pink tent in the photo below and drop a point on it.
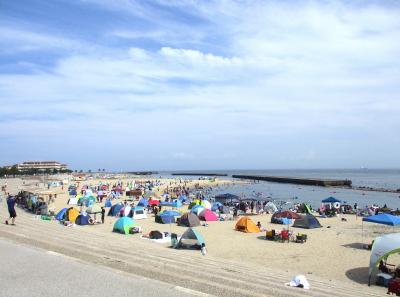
(208, 216)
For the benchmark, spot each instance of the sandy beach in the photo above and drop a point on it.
(331, 255)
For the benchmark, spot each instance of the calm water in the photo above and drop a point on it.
(389, 179)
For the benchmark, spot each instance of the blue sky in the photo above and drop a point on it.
(163, 85)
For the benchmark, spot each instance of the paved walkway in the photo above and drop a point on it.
(29, 272)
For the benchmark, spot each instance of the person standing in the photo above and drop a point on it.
(11, 209)
(103, 212)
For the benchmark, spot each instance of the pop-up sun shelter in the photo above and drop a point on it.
(208, 216)
(61, 214)
(83, 219)
(189, 220)
(245, 224)
(114, 210)
(307, 221)
(143, 202)
(216, 206)
(270, 207)
(191, 239)
(383, 247)
(71, 215)
(138, 213)
(197, 209)
(122, 225)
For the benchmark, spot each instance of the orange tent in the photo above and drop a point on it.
(72, 214)
(245, 224)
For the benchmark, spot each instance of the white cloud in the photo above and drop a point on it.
(283, 79)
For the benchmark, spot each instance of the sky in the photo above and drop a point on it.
(180, 85)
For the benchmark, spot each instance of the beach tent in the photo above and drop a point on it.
(83, 219)
(224, 210)
(123, 224)
(383, 247)
(138, 213)
(194, 203)
(197, 209)
(189, 220)
(307, 221)
(182, 198)
(143, 202)
(95, 208)
(73, 201)
(216, 206)
(177, 203)
(114, 210)
(125, 211)
(205, 204)
(208, 216)
(71, 214)
(270, 207)
(72, 192)
(61, 214)
(191, 239)
(154, 202)
(108, 203)
(245, 224)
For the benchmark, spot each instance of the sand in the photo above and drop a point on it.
(333, 252)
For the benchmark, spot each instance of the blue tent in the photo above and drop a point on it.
(61, 214)
(108, 203)
(177, 203)
(385, 219)
(143, 202)
(182, 198)
(331, 200)
(216, 206)
(197, 208)
(114, 210)
(72, 192)
(82, 219)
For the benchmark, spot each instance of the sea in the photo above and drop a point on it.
(290, 193)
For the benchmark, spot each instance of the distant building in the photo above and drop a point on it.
(41, 165)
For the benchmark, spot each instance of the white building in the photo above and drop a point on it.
(41, 165)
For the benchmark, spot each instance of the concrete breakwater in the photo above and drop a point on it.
(299, 181)
(200, 174)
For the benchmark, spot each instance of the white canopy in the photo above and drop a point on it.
(383, 247)
(270, 207)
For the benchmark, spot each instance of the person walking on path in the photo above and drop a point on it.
(11, 209)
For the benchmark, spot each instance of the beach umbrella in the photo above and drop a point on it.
(383, 219)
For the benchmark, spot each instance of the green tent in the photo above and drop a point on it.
(123, 225)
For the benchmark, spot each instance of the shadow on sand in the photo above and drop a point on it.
(359, 275)
(355, 245)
